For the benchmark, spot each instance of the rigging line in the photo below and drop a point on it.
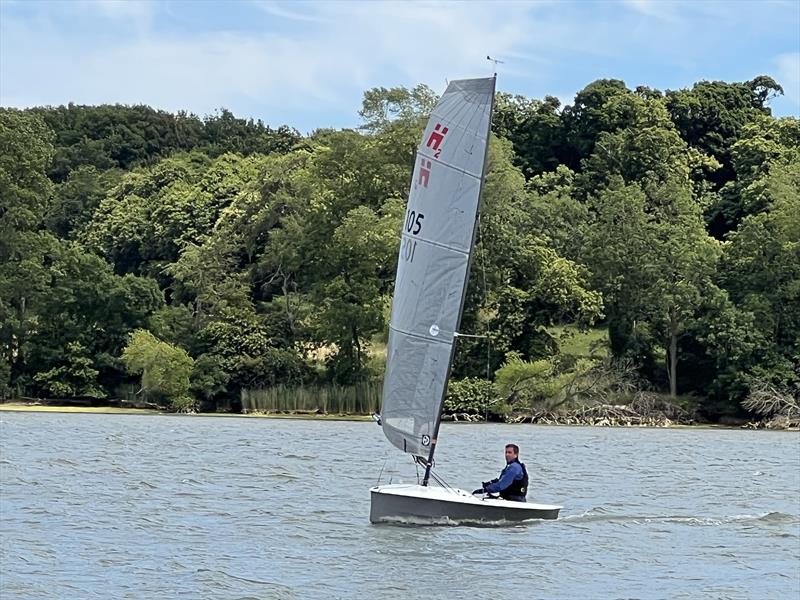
(485, 302)
(381, 473)
(419, 461)
(442, 482)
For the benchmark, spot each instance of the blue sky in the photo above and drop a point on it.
(307, 64)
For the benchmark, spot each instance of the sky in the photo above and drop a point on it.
(307, 64)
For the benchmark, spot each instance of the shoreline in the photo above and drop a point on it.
(315, 416)
(115, 410)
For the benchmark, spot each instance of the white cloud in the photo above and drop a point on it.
(788, 75)
(276, 9)
(308, 63)
(661, 10)
(139, 13)
(325, 69)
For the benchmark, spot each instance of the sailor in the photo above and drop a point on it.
(513, 481)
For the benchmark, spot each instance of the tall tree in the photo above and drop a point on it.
(26, 148)
(534, 127)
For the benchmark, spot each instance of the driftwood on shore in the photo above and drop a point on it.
(644, 410)
(600, 416)
(779, 407)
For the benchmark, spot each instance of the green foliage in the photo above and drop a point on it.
(26, 148)
(74, 377)
(5, 378)
(361, 398)
(712, 115)
(528, 285)
(575, 342)
(534, 128)
(260, 259)
(209, 379)
(586, 118)
(116, 136)
(529, 384)
(654, 262)
(164, 368)
(761, 271)
(474, 396)
(765, 145)
(565, 382)
(381, 106)
(76, 199)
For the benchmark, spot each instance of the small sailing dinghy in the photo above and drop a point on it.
(436, 246)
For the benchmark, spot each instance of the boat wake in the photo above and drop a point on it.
(603, 515)
(409, 521)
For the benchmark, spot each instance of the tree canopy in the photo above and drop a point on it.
(191, 258)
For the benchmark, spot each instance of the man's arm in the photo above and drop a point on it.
(507, 477)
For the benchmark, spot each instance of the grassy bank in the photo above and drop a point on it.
(111, 410)
(114, 410)
(359, 399)
(316, 416)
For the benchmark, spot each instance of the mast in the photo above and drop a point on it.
(435, 436)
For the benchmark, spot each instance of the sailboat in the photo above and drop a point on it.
(437, 241)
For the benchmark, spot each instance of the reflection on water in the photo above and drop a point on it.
(128, 506)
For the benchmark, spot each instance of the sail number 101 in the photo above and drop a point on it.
(413, 226)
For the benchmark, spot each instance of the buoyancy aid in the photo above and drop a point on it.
(519, 487)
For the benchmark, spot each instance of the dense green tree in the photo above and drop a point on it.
(164, 368)
(586, 118)
(351, 297)
(153, 213)
(76, 199)
(224, 133)
(519, 283)
(764, 144)
(649, 253)
(121, 136)
(76, 376)
(712, 115)
(26, 148)
(25, 193)
(381, 106)
(264, 258)
(534, 127)
(761, 271)
(640, 143)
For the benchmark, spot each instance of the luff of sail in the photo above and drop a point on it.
(432, 271)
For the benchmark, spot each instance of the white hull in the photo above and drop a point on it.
(403, 503)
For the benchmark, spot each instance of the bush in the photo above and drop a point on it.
(164, 368)
(474, 396)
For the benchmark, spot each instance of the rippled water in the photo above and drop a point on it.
(129, 506)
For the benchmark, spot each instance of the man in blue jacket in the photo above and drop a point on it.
(513, 481)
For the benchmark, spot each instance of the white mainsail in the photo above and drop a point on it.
(433, 267)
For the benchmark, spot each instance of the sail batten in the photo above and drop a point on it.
(433, 266)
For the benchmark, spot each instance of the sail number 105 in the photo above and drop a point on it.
(414, 222)
(413, 226)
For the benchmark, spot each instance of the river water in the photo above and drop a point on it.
(152, 506)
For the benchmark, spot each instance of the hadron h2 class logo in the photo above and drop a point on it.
(436, 138)
(426, 440)
(424, 172)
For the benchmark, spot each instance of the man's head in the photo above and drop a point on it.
(512, 452)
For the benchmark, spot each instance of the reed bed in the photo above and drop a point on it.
(359, 399)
